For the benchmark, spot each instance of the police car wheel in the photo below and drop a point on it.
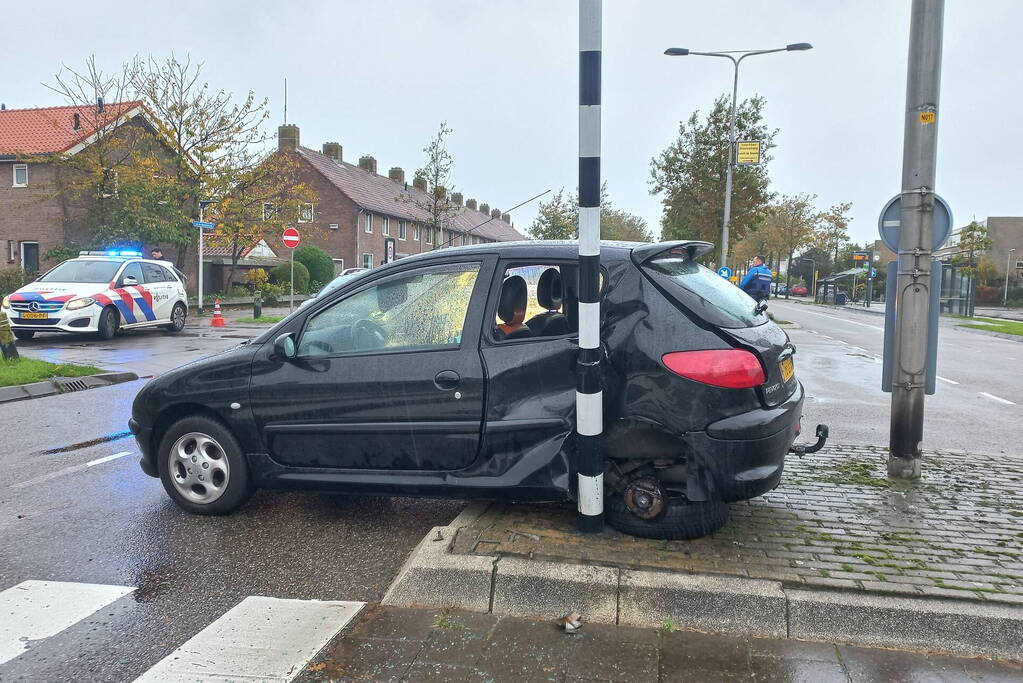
(108, 323)
(24, 334)
(177, 318)
(202, 467)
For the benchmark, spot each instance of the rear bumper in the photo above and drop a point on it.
(745, 454)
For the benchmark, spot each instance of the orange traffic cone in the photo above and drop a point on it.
(217, 320)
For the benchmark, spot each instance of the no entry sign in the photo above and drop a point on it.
(291, 238)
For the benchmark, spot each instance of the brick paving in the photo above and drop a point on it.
(396, 644)
(835, 521)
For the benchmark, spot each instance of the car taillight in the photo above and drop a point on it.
(730, 368)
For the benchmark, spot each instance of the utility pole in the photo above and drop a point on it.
(912, 302)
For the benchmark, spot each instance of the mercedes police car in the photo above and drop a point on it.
(100, 292)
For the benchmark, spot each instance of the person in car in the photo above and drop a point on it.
(757, 282)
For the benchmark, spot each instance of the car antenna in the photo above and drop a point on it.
(492, 218)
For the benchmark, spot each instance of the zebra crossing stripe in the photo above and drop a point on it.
(265, 639)
(34, 610)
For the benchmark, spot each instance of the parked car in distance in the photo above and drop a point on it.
(100, 292)
(346, 275)
(438, 375)
(781, 290)
(799, 290)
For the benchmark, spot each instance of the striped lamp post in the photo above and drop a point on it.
(588, 391)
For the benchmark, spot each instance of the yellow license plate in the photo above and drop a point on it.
(33, 316)
(787, 370)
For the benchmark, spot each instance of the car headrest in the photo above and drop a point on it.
(512, 306)
(549, 292)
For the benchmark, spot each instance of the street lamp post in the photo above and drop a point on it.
(729, 54)
(1005, 296)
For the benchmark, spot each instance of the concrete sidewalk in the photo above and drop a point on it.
(837, 552)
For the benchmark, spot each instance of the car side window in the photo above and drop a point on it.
(154, 273)
(422, 310)
(133, 270)
(167, 275)
(536, 301)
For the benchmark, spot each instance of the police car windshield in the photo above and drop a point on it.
(82, 271)
(706, 293)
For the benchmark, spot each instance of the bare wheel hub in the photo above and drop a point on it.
(645, 497)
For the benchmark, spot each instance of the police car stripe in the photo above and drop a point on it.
(145, 308)
(589, 397)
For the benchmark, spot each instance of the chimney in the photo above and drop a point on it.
(456, 197)
(99, 105)
(470, 204)
(368, 163)
(419, 182)
(287, 138)
(332, 150)
(485, 208)
(76, 121)
(3, 107)
(397, 174)
(506, 217)
(496, 213)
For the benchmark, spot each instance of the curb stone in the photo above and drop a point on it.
(63, 385)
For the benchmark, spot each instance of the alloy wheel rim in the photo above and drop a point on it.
(179, 317)
(199, 468)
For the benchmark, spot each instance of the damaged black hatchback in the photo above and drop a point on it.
(450, 374)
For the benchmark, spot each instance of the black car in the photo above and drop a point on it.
(451, 373)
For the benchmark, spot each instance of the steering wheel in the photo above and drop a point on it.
(367, 334)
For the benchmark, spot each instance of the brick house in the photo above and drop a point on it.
(363, 218)
(35, 216)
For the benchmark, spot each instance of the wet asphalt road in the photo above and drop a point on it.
(978, 404)
(112, 524)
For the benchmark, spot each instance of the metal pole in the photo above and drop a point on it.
(870, 277)
(291, 306)
(1005, 296)
(912, 296)
(199, 279)
(589, 397)
(725, 224)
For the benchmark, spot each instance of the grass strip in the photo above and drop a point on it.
(28, 370)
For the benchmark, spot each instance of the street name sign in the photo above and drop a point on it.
(747, 152)
(291, 238)
(205, 226)
(891, 220)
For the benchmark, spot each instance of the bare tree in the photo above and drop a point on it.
(436, 205)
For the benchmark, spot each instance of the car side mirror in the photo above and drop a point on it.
(128, 281)
(284, 346)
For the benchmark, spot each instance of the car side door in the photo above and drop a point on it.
(387, 375)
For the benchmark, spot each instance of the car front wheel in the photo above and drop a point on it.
(202, 467)
(680, 519)
(177, 322)
(108, 323)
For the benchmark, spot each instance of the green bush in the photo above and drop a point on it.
(238, 292)
(272, 294)
(281, 275)
(12, 279)
(319, 263)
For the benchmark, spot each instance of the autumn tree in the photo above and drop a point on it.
(558, 219)
(690, 174)
(833, 230)
(973, 240)
(790, 225)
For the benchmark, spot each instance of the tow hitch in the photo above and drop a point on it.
(822, 437)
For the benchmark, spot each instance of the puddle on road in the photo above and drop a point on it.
(116, 436)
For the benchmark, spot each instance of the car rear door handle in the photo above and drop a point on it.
(446, 380)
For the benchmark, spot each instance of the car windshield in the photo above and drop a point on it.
(82, 271)
(706, 293)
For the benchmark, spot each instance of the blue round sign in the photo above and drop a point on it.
(725, 272)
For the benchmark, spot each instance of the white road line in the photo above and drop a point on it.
(33, 610)
(266, 639)
(843, 320)
(997, 398)
(108, 458)
(860, 348)
(946, 379)
(826, 336)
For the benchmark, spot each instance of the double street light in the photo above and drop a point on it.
(731, 55)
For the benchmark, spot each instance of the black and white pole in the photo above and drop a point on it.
(589, 402)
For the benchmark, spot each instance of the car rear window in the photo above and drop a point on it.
(704, 292)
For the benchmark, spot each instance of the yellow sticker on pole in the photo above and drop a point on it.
(734, 278)
(747, 152)
(928, 117)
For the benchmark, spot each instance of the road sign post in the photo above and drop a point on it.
(203, 228)
(291, 239)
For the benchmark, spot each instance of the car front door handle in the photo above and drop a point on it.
(446, 380)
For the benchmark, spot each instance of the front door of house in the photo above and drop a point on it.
(30, 257)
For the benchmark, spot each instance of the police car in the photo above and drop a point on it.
(100, 292)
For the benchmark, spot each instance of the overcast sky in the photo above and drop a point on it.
(378, 76)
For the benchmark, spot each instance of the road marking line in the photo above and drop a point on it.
(945, 379)
(860, 348)
(843, 320)
(826, 336)
(108, 458)
(34, 610)
(997, 398)
(258, 639)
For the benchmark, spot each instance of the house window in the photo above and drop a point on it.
(415, 232)
(339, 265)
(387, 226)
(402, 230)
(333, 226)
(305, 214)
(429, 235)
(20, 175)
(367, 260)
(269, 211)
(369, 222)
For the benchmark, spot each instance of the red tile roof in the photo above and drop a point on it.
(225, 250)
(380, 194)
(48, 130)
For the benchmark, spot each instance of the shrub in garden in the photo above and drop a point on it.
(281, 275)
(319, 263)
